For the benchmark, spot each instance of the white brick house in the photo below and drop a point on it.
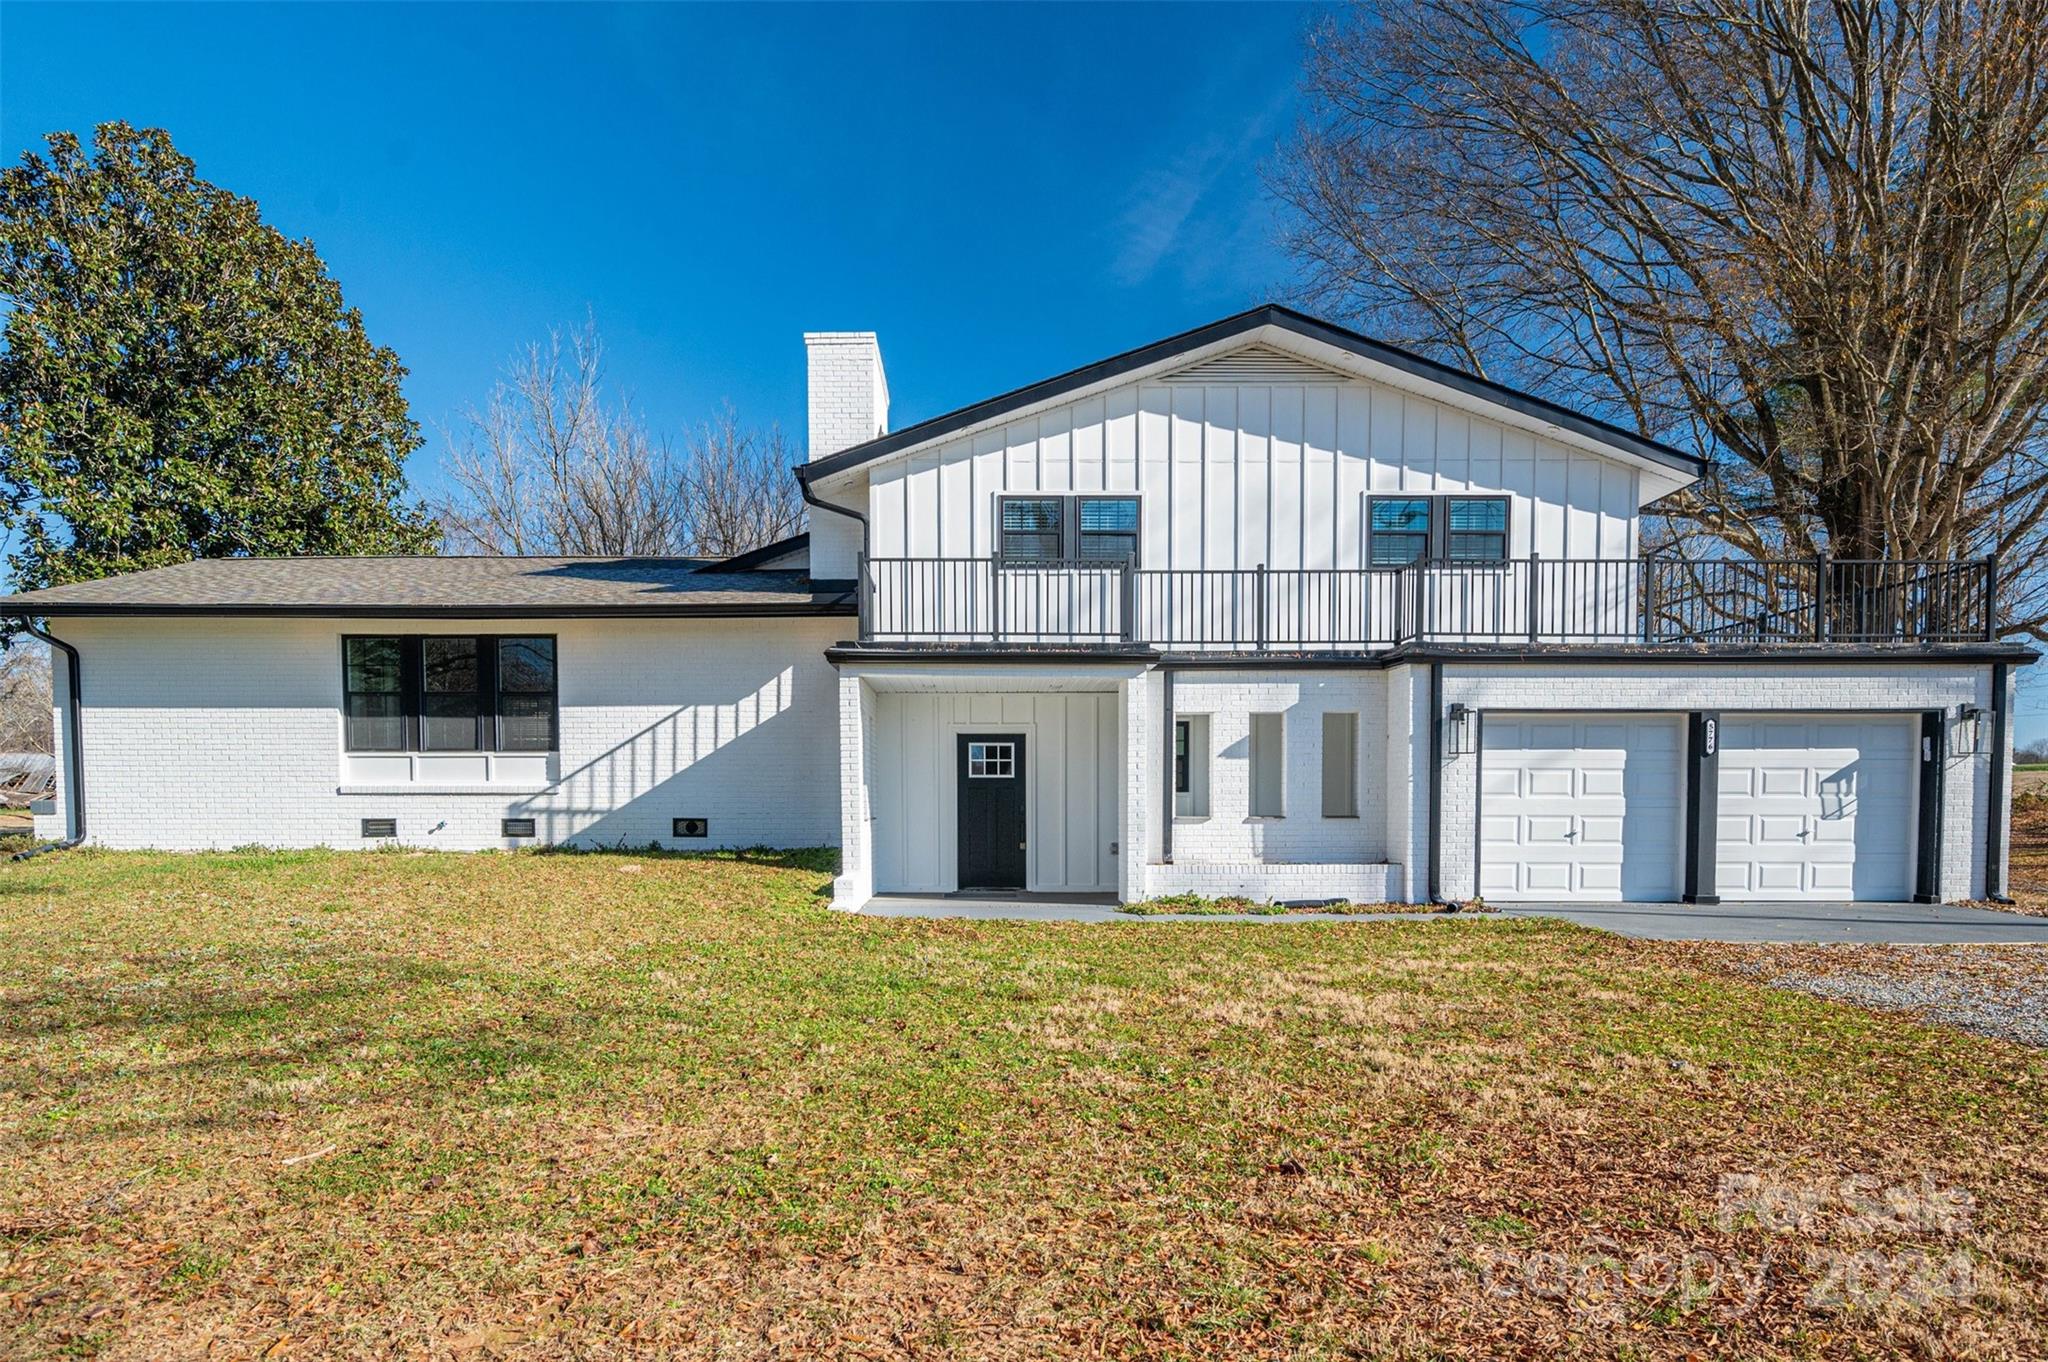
(1267, 608)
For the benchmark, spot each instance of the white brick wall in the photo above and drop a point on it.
(1370, 883)
(1229, 835)
(855, 884)
(1730, 688)
(849, 395)
(215, 733)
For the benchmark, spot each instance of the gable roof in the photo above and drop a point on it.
(471, 587)
(1244, 323)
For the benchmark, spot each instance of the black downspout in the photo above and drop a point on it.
(1172, 796)
(860, 566)
(1436, 776)
(74, 751)
(1994, 832)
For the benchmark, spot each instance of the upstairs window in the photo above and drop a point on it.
(1070, 528)
(1454, 529)
(1034, 528)
(449, 693)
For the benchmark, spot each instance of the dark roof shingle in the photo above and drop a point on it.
(469, 586)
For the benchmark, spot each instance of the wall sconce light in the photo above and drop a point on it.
(1969, 729)
(1458, 731)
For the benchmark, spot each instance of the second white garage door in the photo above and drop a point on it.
(1576, 808)
(1817, 807)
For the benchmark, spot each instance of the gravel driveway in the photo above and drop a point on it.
(1997, 991)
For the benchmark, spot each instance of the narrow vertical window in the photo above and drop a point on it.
(1340, 765)
(374, 703)
(526, 694)
(1268, 744)
(1191, 766)
(451, 694)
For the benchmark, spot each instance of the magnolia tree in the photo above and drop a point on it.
(179, 379)
(1809, 240)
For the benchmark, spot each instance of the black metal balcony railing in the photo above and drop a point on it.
(1533, 600)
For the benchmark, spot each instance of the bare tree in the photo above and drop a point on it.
(25, 699)
(553, 465)
(1806, 237)
(738, 493)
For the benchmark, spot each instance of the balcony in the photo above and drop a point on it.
(1726, 603)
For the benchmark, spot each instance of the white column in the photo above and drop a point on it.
(1138, 701)
(856, 882)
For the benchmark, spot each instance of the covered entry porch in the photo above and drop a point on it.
(987, 776)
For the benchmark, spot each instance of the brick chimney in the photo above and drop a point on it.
(849, 396)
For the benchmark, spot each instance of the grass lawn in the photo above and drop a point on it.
(320, 1105)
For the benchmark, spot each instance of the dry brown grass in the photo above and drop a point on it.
(317, 1105)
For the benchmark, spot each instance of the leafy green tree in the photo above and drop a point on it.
(179, 380)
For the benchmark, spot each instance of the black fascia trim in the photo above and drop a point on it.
(742, 561)
(941, 652)
(1268, 314)
(466, 612)
(1934, 654)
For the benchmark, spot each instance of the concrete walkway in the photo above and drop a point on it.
(1905, 924)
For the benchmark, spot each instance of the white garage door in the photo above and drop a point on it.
(1581, 808)
(1817, 807)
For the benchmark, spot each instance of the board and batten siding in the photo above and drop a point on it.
(1073, 768)
(1233, 475)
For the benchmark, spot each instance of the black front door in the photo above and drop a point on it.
(991, 810)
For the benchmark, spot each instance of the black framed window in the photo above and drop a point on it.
(1180, 756)
(449, 693)
(1096, 529)
(1398, 530)
(1457, 529)
(1034, 528)
(373, 694)
(1476, 529)
(526, 694)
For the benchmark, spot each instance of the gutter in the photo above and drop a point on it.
(74, 750)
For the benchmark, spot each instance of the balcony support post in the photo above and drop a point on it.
(1127, 601)
(1820, 598)
(1259, 608)
(866, 586)
(1991, 598)
(1535, 590)
(995, 596)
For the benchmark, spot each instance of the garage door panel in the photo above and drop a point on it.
(1595, 806)
(1500, 782)
(1816, 807)
(1602, 784)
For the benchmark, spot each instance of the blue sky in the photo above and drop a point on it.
(1001, 192)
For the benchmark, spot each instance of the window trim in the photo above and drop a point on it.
(1437, 548)
(491, 702)
(1070, 528)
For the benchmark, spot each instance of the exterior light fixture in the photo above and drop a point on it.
(1458, 731)
(1969, 729)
